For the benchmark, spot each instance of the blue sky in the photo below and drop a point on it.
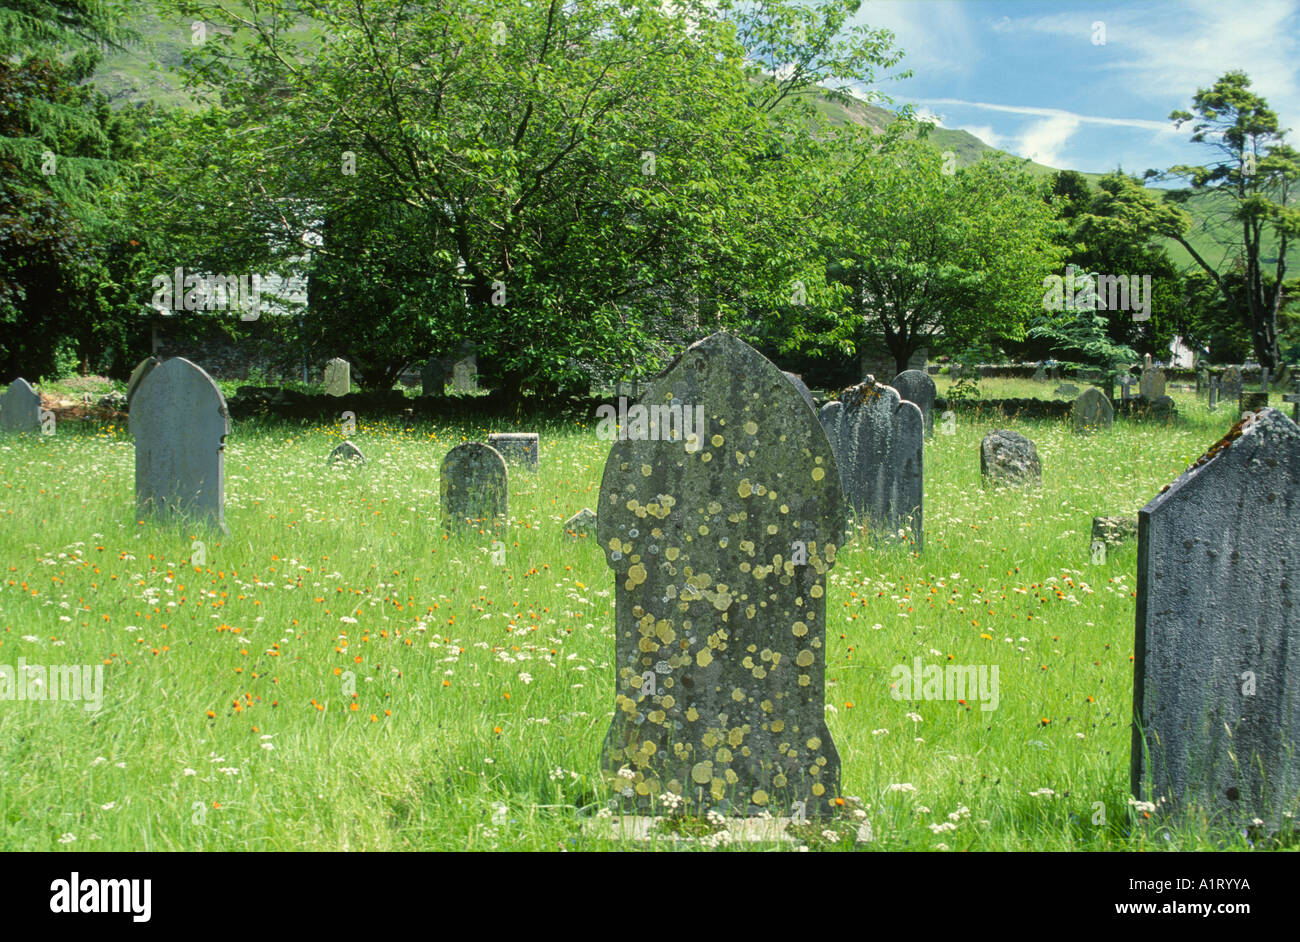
(1027, 76)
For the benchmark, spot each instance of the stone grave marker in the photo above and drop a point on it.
(583, 523)
(797, 381)
(917, 386)
(1040, 374)
(1294, 399)
(878, 440)
(1091, 411)
(1216, 692)
(143, 369)
(1230, 384)
(1252, 401)
(1066, 389)
(338, 377)
(721, 556)
(346, 451)
(20, 408)
(464, 374)
(1126, 382)
(179, 422)
(1152, 384)
(519, 448)
(474, 486)
(1008, 458)
(433, 377)
(1212, 402)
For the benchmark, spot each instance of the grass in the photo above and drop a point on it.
(337, 675)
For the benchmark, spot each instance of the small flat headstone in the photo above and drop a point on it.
(519, 448)
(20, 408)
(346, 451)
(474, 486)
(878, 440)
(1008, 458)
(338, 377)
(917, 386)
(1216, 680)
(1091, 411)
(1066, 389)
(179, 422)
(583, 523)
(142, 369)
(797, 381)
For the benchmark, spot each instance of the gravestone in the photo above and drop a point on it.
(721, 556)
(433, 377)
(1008, 458)
(1212, 402)
(1216, 692)
(1114, 530)
(1091, 411)
(1252, 401)
(1040, 374)
(583, 523)
(1152, 385)
(1202, 379)
(917, 386)
(797, 381)
(346, 451)
(338, 377)
(474, 485)
(1126, 383)
(179, 422)
(1230, 384)
(143, 369)
(464, 374)
(1294, 399)
(519, 448)
(1066, 389)
(878, 440)
(20, 408)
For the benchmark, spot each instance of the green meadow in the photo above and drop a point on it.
(338, 674)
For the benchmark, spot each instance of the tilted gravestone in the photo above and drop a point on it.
(519, 448)
(179, 422)
(338, 377)
(433, 377)
(720, 556)
(20, 408)
(142, 369)
(878, 440)
(1092, 410)
(583, 523)
(346, 451)
(797, 381)
(1008, 458)
(474, 485)
(917, 386)
(1230, 384)
(1216, 695)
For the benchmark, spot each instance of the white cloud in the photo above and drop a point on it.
(1054, 113)
(1044, 140)
(985, 133)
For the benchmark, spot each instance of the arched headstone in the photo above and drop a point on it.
(1091, 411)
(20, 408)
(720, 553)
(346, 451)
(474, 486)
(917, 386)
(879, 442)
(338, 377)
(179, 422)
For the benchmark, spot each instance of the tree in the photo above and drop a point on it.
(1249, 187)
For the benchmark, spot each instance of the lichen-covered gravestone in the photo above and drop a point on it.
(338, 377)
(20, 408)
(519, 448)
(179, 422)
(1008, 458)
(464, 374)
(1230, 383)
(917, 386)
(879, 442)
(1216, 690)
(798, 383)
(142, 369)
(1092, 410)
(474, 486)
(720, 555)
(1152, 384)
(348, 452)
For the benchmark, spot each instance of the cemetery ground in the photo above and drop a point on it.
(338, 674)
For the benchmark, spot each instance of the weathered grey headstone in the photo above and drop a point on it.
(797, 381)
(1212, 402)
(1216, 697)
(1230, 384)
(1008, 458)
(20, 408)
(1126, 383)
(1066, 389)
(1040, 374)
(338, 377)
(1114, 530)
(720, 557)
(346, 451)
(142, 369)
(1152, 385)
(464, 374)
(179, 422)
(878, 441)
(474, 485)
(433, 377)
(582, 523)
(519, 448)
(917, 386)
(1091, 410)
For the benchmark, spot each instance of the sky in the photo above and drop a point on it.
(1087, 86)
